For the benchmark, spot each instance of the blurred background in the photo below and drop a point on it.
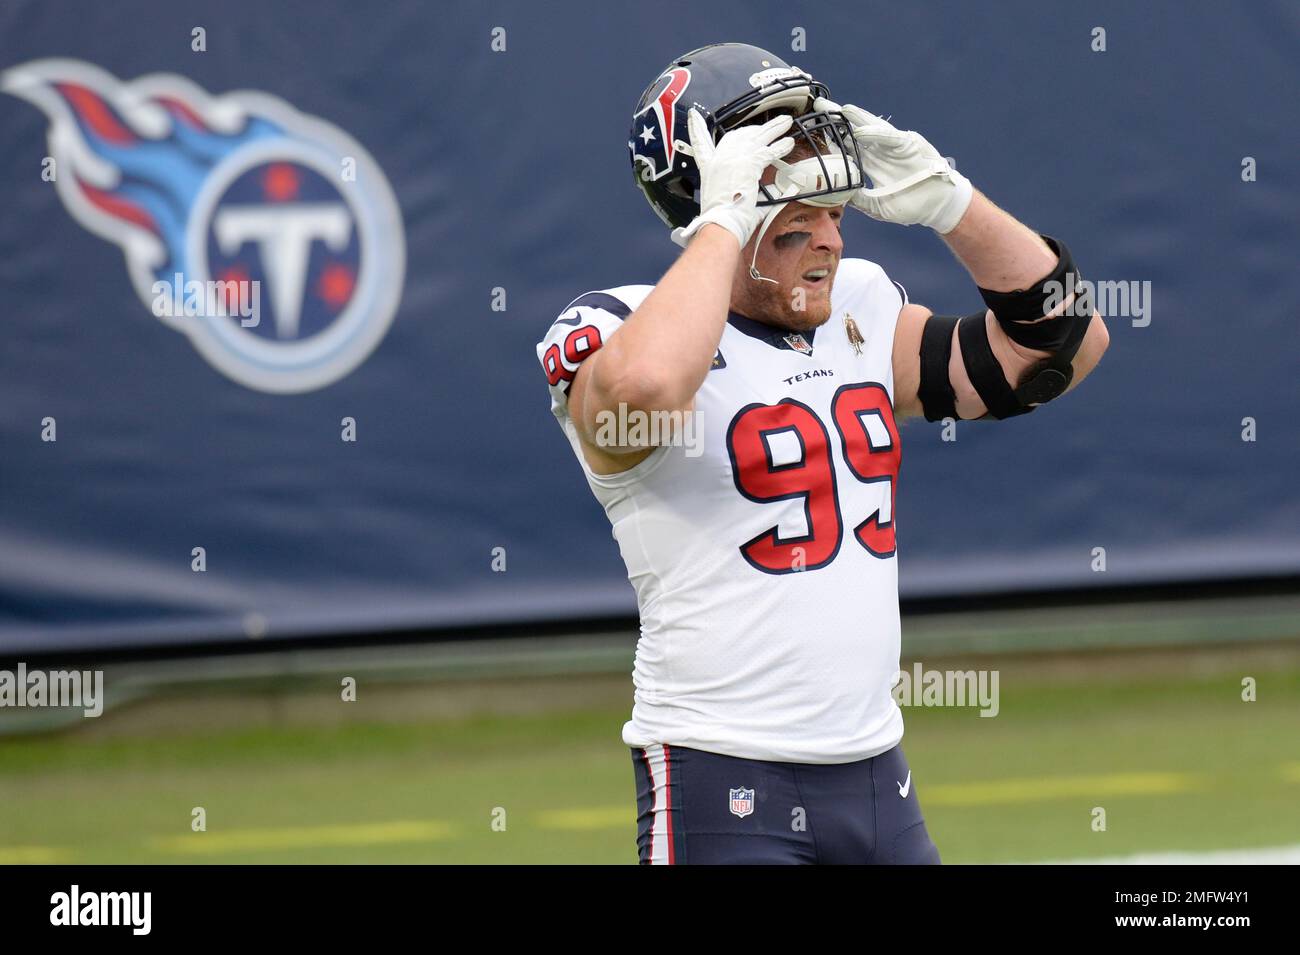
(345, 583)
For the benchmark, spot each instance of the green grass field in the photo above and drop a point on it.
(1177, 760)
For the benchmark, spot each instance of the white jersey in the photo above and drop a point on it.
(761, 547)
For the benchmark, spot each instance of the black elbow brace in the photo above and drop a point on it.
(938, 400)
(1022, 313)
(1061, 335)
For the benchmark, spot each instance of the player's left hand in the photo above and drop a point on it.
(912, 183)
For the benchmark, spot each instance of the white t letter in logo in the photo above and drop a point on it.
(285, 234)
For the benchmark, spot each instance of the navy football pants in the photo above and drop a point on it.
(695, 807)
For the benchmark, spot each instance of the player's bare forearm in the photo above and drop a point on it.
(660, 356)
(1002, 255)
(999, 252)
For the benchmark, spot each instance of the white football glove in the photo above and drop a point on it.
(912, 183)
(730, 172)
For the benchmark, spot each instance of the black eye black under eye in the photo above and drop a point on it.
(791, 238)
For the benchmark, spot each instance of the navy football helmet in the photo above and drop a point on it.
(733, 84)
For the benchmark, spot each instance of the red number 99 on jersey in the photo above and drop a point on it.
(783, 451)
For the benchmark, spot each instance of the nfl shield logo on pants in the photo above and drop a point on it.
(742, 802)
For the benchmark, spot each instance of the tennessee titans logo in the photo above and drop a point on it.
(234, 191)
(653, 134)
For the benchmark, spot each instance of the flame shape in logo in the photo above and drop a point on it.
(145, 164)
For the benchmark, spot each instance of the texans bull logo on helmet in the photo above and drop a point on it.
(731, 84)
(652, 145)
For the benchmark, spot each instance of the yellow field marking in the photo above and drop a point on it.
(32, 855)
(589, 817)
(1265, 855)
(990, 793)
(304, 837)
(1004, 791)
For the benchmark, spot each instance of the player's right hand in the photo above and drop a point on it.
(730, 172)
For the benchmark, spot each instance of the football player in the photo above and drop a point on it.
(763, 553)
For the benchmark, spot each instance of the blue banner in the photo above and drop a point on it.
(273, 275)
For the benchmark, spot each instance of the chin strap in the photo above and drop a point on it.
(762, 230)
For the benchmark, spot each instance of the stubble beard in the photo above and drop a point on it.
(774, 305)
